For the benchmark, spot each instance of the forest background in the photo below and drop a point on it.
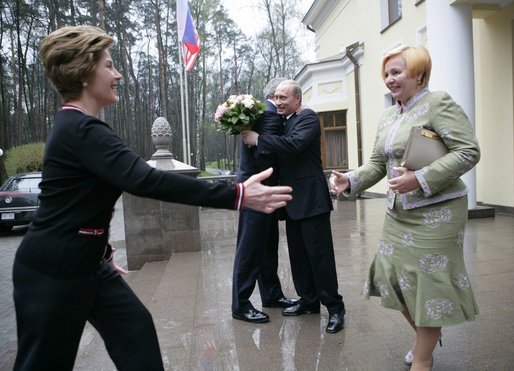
(146, 54)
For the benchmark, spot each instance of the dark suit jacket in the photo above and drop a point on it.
(251, 161)
(300, 167)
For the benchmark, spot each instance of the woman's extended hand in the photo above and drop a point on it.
(405, 182)
(262, 198)
(338, 182)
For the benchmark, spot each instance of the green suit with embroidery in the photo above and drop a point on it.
(419, 262)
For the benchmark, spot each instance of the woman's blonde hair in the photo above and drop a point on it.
(416, 58)
(69, 56)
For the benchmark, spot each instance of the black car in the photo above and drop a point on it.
(19, 200)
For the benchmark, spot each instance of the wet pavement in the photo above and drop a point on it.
(189, 298)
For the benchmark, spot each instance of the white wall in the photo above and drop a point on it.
(493, 44)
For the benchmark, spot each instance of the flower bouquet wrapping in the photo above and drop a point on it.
(238, 113)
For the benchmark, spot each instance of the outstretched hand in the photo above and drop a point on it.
(338, 182)
(263, 198)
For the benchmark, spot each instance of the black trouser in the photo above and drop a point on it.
(256, 259)
(313, 266)
(51, 313)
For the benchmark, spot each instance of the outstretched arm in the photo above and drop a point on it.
(263, 198)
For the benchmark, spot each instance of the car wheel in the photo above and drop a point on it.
(6, 228)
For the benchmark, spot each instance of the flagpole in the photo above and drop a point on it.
(181, 68)
(187, 121)
(189, 39)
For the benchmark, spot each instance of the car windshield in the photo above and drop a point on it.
(24, 185)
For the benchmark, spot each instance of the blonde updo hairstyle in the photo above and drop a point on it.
(416, 58)
(70, 55)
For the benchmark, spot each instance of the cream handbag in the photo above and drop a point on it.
(423, 147)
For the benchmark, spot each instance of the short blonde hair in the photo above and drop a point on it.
(70, 55)
(416, 58)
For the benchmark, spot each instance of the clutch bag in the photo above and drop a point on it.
(423, 147)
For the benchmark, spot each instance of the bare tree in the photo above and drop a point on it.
(146, 54)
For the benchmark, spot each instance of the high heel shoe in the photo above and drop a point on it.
(409, 357)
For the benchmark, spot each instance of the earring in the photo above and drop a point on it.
(84, 84)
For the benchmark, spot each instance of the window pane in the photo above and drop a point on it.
(395, 10)
(336, 149)
(340, 118)
(333, 119)
(328, 119)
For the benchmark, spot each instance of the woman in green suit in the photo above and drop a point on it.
(419, 268)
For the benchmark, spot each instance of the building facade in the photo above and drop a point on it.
(472, 47)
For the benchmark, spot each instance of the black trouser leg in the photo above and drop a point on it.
(318, 239)
(126, 326)
(252, 236)
(51, 313)
(50, 316)
(301, 271)
(269, 283)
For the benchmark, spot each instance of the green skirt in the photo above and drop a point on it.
(419, 264)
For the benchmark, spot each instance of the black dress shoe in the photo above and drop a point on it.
(299, 308)
(252, 315)
(283, 302)
(335, 323)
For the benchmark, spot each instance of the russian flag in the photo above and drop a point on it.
(187, 34)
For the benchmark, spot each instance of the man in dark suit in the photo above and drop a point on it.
(308, 230)
(257, 236)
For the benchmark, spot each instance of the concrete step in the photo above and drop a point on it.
(92, 354)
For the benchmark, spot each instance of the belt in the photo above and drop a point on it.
(92, 232)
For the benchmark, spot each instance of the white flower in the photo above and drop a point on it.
(437, 308)
(433, 263)
(404, 282)
(408, 239)
(463, 281)
(220, 111)
(385, 249)
(383, 288)
(435, 217)
(237, 113)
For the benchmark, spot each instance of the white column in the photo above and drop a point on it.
(450, 43)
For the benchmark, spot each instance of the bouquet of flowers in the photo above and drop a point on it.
(238, 113)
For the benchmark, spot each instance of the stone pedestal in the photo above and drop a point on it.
(154, 230)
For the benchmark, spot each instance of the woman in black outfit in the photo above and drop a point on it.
(63, 272)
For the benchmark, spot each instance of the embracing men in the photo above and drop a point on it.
(307, 216)
(257, 236)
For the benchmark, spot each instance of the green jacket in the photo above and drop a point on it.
(440, 180)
